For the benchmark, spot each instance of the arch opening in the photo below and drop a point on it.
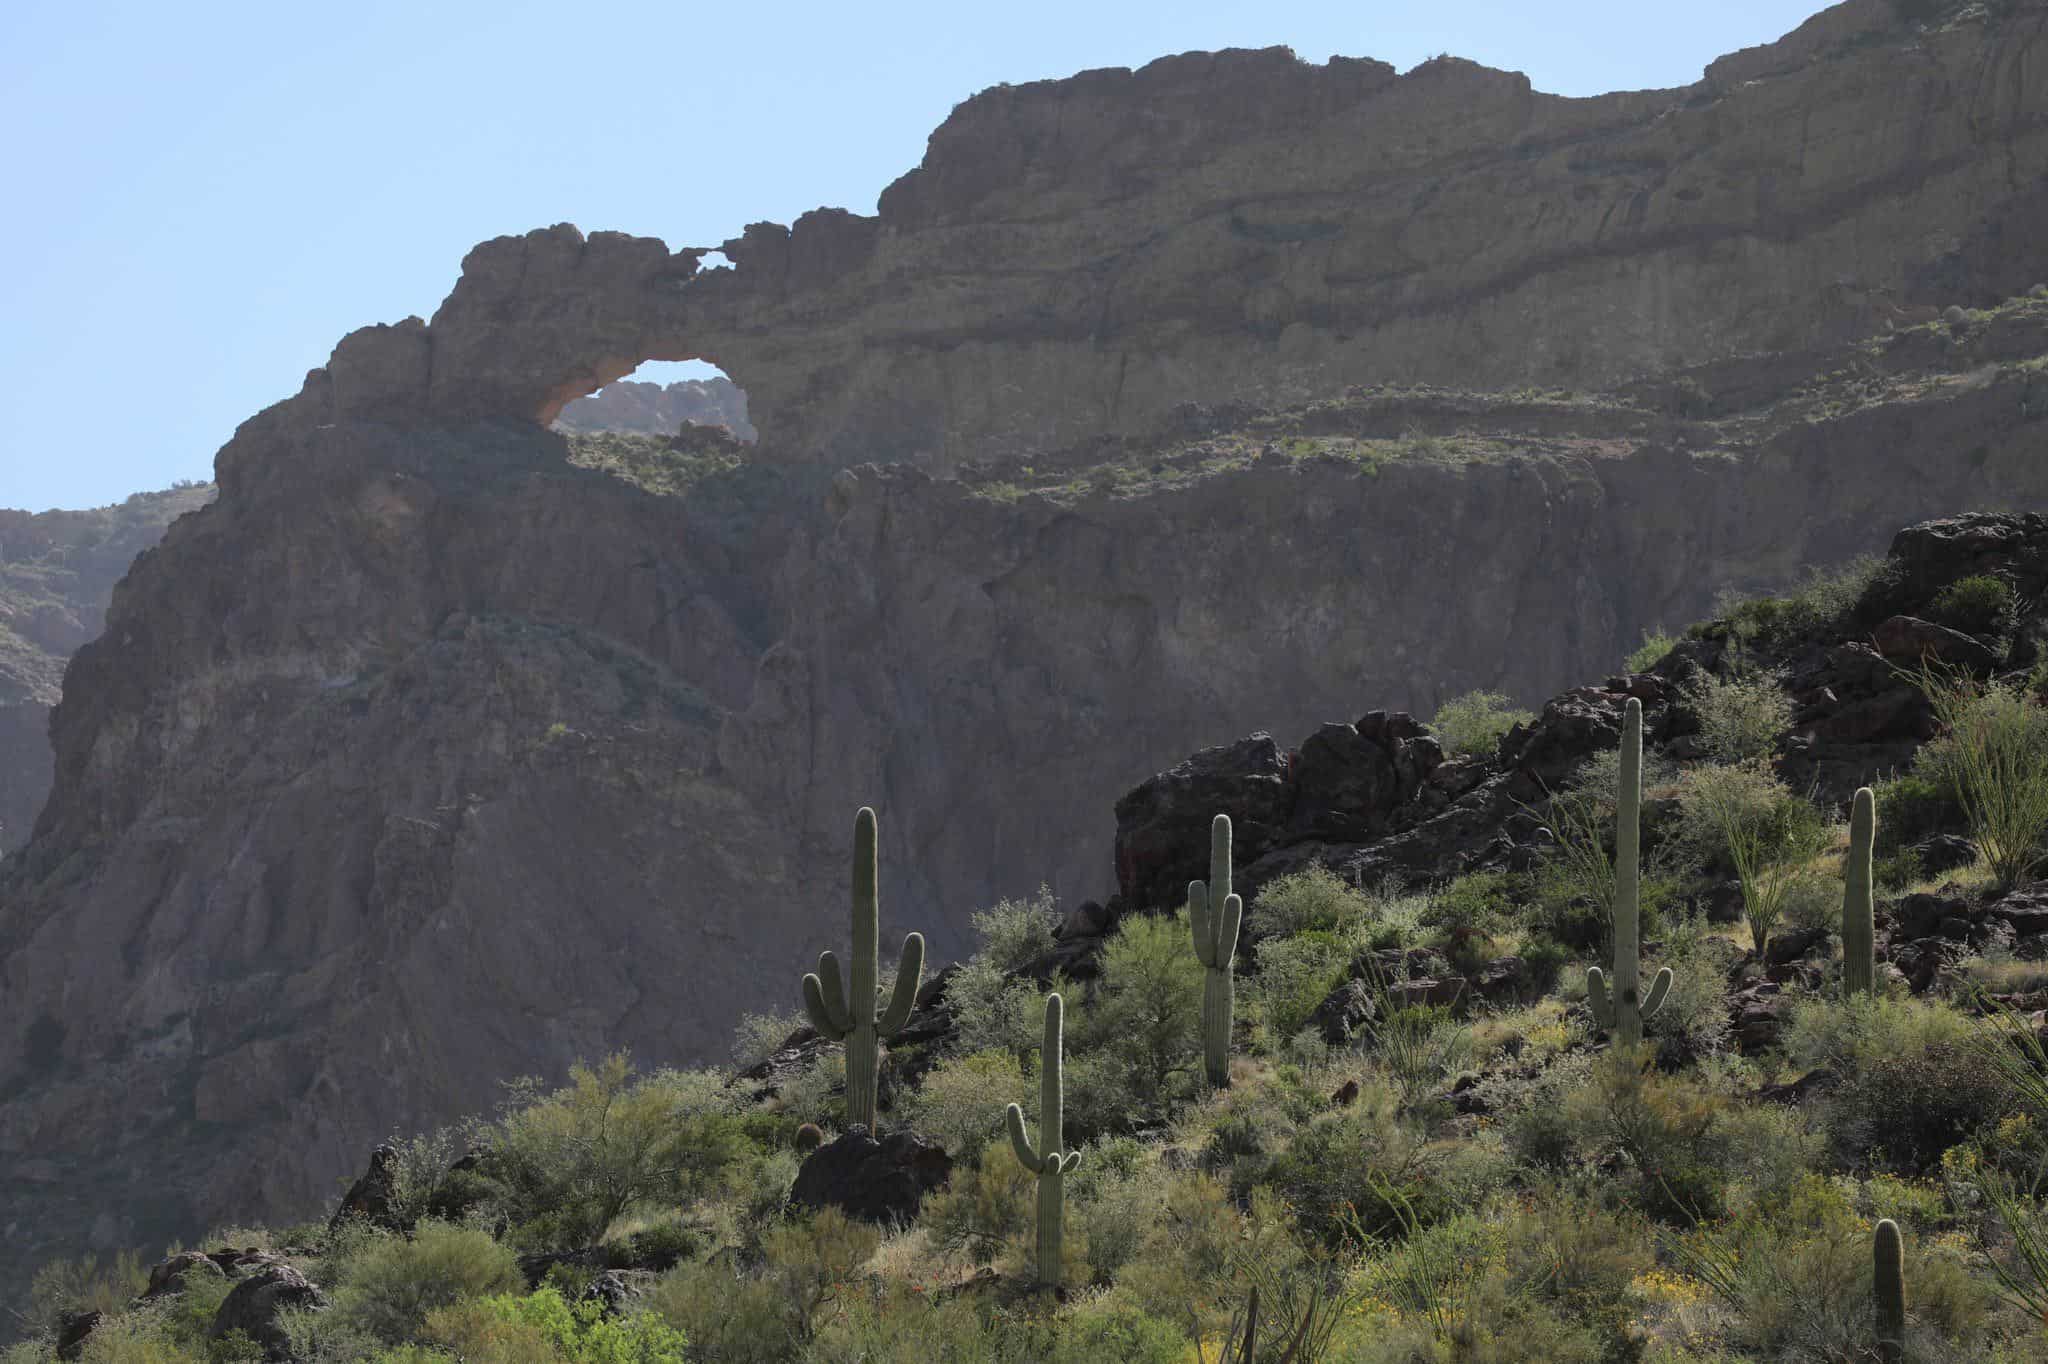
(662, 398)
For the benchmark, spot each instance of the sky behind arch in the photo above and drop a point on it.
(207, 196)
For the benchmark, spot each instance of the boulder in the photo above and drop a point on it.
(73, 1328)
(1943, 852)
(170, 1276)
(252, 1307)
(1911, 640)
(1345, 1010)
(883, 1182)
(1162, 826)
(372, 1198)
(1345, 784)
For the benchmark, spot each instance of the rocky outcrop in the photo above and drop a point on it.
(57, 573)
(424, 756)
(1088, 255)
(881, 1181)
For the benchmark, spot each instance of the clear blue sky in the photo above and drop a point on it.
(206, 196)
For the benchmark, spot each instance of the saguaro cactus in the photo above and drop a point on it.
(1889, 1250)
(851, 1016)
(1617, 1005)
(1050, 1165)
(1859, 933)
(1214, 915)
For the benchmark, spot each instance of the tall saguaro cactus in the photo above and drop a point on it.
(852, 1015)
(1050, 1165)
(1214, 916)
(1617, 1004)
(1859, 931)
(1888, 1250)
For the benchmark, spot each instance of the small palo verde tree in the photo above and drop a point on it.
(853, 1014)
(1050, 1165)
(1618, 1006)
(1214, 917)
(1859, 929)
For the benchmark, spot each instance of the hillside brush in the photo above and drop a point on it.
(1617, 1003)
(1050, 1165)
(1214, 917)
(1859, 930)
(854, 1014)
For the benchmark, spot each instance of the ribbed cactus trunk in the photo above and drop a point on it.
(1214, 916)
(1888, 1249)
(851, 1015)
(1051, 1167)
(1859, 928)
(1618, 1004)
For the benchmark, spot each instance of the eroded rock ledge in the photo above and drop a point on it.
(1078, 257)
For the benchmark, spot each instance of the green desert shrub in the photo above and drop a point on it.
(1016, 931)
(1767, 833)
(1914, 806)
(1293, 977)
(392, 1283)
(85, 1284)
(546, 1329)
(572, 1161)
(1995, 753)
(1474, 723)
(1741, 718)
(1670, 1131)
(1647, 655)
(1310, 900)
(1903, 1110)
(981, 1208)
(1141, 1031)
(1976, 605)
(766, 1311)
(958, 1102)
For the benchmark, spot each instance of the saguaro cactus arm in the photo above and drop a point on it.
(1020, 1141)
(909, 971)
(824, 1000)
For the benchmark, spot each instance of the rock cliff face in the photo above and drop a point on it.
(1083, 256)
(425, 757)
(57, 571)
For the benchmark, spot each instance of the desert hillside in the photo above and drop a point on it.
(1153, 408)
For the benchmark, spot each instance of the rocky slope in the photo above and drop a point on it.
(57, 572)
(427, 755)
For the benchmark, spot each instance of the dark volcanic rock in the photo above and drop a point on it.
(252, 1307)
(882, 1182)
(1162, 827)
(72, 1330)
(370, 1198)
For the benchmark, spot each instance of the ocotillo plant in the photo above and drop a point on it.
(1889, 1250)
(852, 1016)
(1050, 1165)
(1214, 915)
(1617, 1006)
(1859, 933)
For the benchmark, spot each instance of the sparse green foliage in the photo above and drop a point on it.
(1475, 722)
(1977, 605)
(1647, 655)
(1997, 758)
(1741, 718)
(1766, 832)
(392, 1283)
